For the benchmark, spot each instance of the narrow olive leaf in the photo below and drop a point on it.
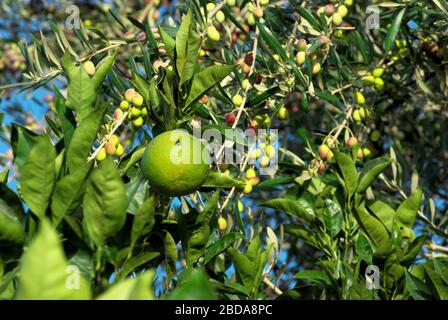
(45, 273)
(305, 14)
(220, 180)
(407, 211)
(170, 43)
(131, 159)
(204, 80)
(187, 46)
(289, 206)
(137, 261)
(37, 177)
(313, 276)
(144, 220)
(138, 288)
(104, 203)
(348, 170)
(195, 286)
(221, 245)
(417, 288)
(272, 41)
(374, 229)
(11, 217)
(436, 284)
(82, 88)
(370, 171)
(360, 43)
(393, 30)
(275, 182)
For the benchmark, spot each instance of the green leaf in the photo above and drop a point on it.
(171, 254)
(305, 14)
(363, 248)
(289, 206)
(384, 212)
(272, 41)
(195, 286)
(22, 141)
(333, 218)
(360, 43)
(417, 288)
(38, 176)
(413, 250)
(407, 212)
(66, 118)
(438, 287)
(393, 30)
(348, 169)
(82, 88)
(44, 273)
(137, 261)
(11, 217)
(275, 182)
(204, 80)
(138, 288)
(144, 220)
(374, 229)
(82, 140)
(104, 202)
(221, 245)
(187, 46)
(313, 276)
(370, 171)
(220, 180)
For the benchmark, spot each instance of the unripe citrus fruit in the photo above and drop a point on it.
(237, 100)
(89, 67)
(222, 224)
(173, 163)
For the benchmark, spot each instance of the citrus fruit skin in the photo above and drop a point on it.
(173, 163)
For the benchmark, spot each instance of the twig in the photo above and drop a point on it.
(271, 285)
